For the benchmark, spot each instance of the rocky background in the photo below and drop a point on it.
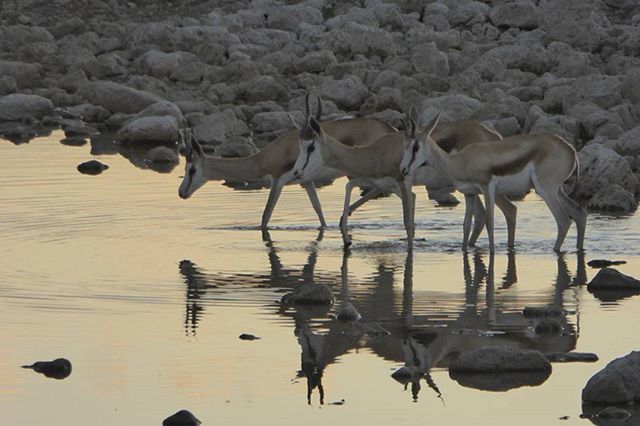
(233, 69)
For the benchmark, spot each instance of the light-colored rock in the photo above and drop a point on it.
(275, 121)
(604, 91)
(348, 93)
(160, 64)
(237, 146)
(116, 97)
(290, 16)
(353, 39)
(519, 14)
(158, 129)
(601, 167)
(617, 383)
(218, 127)
(18, 107)
(261, 88)
(613, 199)
(163, 108)
(428, 59)
(451, 107)
(315, 62)
(575, 22)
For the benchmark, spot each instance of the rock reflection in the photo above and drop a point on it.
(420, 330)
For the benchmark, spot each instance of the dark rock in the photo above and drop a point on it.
(542, 311)
(163, 154)
(603, 263)
(92, 167)
(245, 336)
(162, 129)
(617, 383)
(613, 199)
(571, 357)
(17, 133)
(57, 369)
(347, 312)
(116, 97)
(17, 107)
(499, 382)
(612, 279)
(548, 326)
(181, 418)
(613, 413)
(309, 294)
(498, 359)
(74, 141)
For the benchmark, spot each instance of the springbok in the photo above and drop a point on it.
(385, 156)
(275, 161)
(512, 166)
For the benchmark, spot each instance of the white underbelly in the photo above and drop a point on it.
(515, 184)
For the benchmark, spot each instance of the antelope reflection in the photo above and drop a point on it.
(420, 330)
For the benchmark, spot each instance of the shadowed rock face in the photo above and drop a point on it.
(181, 418)
(617, 383)
(610, 285)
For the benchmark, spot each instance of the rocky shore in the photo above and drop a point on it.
(233, 69)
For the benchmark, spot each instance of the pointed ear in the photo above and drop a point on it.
(315, 125)
(319, 112)
(293, 120)
(428, 129)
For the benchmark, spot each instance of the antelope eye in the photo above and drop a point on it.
(311, 148)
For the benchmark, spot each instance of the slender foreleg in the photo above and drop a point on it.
(274, 193)
(510, 211)
(315, 202)
(479, 220)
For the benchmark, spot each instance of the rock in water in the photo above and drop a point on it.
(245, 336)
(92, 167)
(603, 263)
(612, 279)
(571, 357)
(57, 369)
(347, 312)
(309, 294)
(617, 383)
(181, 418)
(542, 311)
(500, 360)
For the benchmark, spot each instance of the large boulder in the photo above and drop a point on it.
(612, 279)
(14, 36)
(309, 294)
(617, 383)
(163, 108)
(217, 127)
(520, 14)
(116, 97)
(525, 56)
(500, 359)
(158, 129)
(25, 75)
(348, 93)
(261, 88)
(602, 90)
(428, 59)
(578, 23)
(600, 167)
(613, 199)
(160, 64)
(17, 107)
(628, 143)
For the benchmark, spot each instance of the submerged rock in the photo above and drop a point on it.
(310, 294)
(17, 132)
(92, 167)
(245, 336)
(181, 418)
(548, 326)
(542, 311)
(497, 359)
(571, 357)
(347, 312)
(617, 383)
(163, 154)
(57, 369)
(603, 263)
(612, 279)
(499, 382)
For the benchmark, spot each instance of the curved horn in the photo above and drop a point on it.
(319, 113)
(307, 109)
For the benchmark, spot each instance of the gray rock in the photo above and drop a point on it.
(90, 113)
(116, 97)
(309, 294)
(548, 327)
(613, 199)
(601, 167)
(520, 14)
(74, 141)
(571, 357)
(72, 26)
(25, 75)
(162, 108)
(629, 142)
(348, 93)
(604, 91)
(289, 17)
(17, 107)
(160, 64)
(218, 127)
(527, 57)
(354, 38)
(427, 58)
(468, 13)
(575, 22)
(17, 133)
(237, 146)
(92, 167)
(162, 154)
(616, 414)
(612, 279)
(537, 121)
(500, 359)
(14, 36)
(157, 129)
(631, 85)
(451, 107)
(8, 85)
(542, 311)
(181, 418)
(264, 122)
(508, 126)
(617, 383)
(347, 312)
(315, 62)
(261, 88)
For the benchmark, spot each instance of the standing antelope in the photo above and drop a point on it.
(368, 165)
(275, 161)
(511, 166)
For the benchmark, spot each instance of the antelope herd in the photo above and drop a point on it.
(464, 155)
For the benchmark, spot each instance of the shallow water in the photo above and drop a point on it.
(147, 294)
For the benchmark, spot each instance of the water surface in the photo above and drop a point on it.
(147, 294)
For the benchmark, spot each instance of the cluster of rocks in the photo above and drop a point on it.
(233, 70)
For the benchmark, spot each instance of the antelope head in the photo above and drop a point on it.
(415, 144)
(311, 135)
(194, 176)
